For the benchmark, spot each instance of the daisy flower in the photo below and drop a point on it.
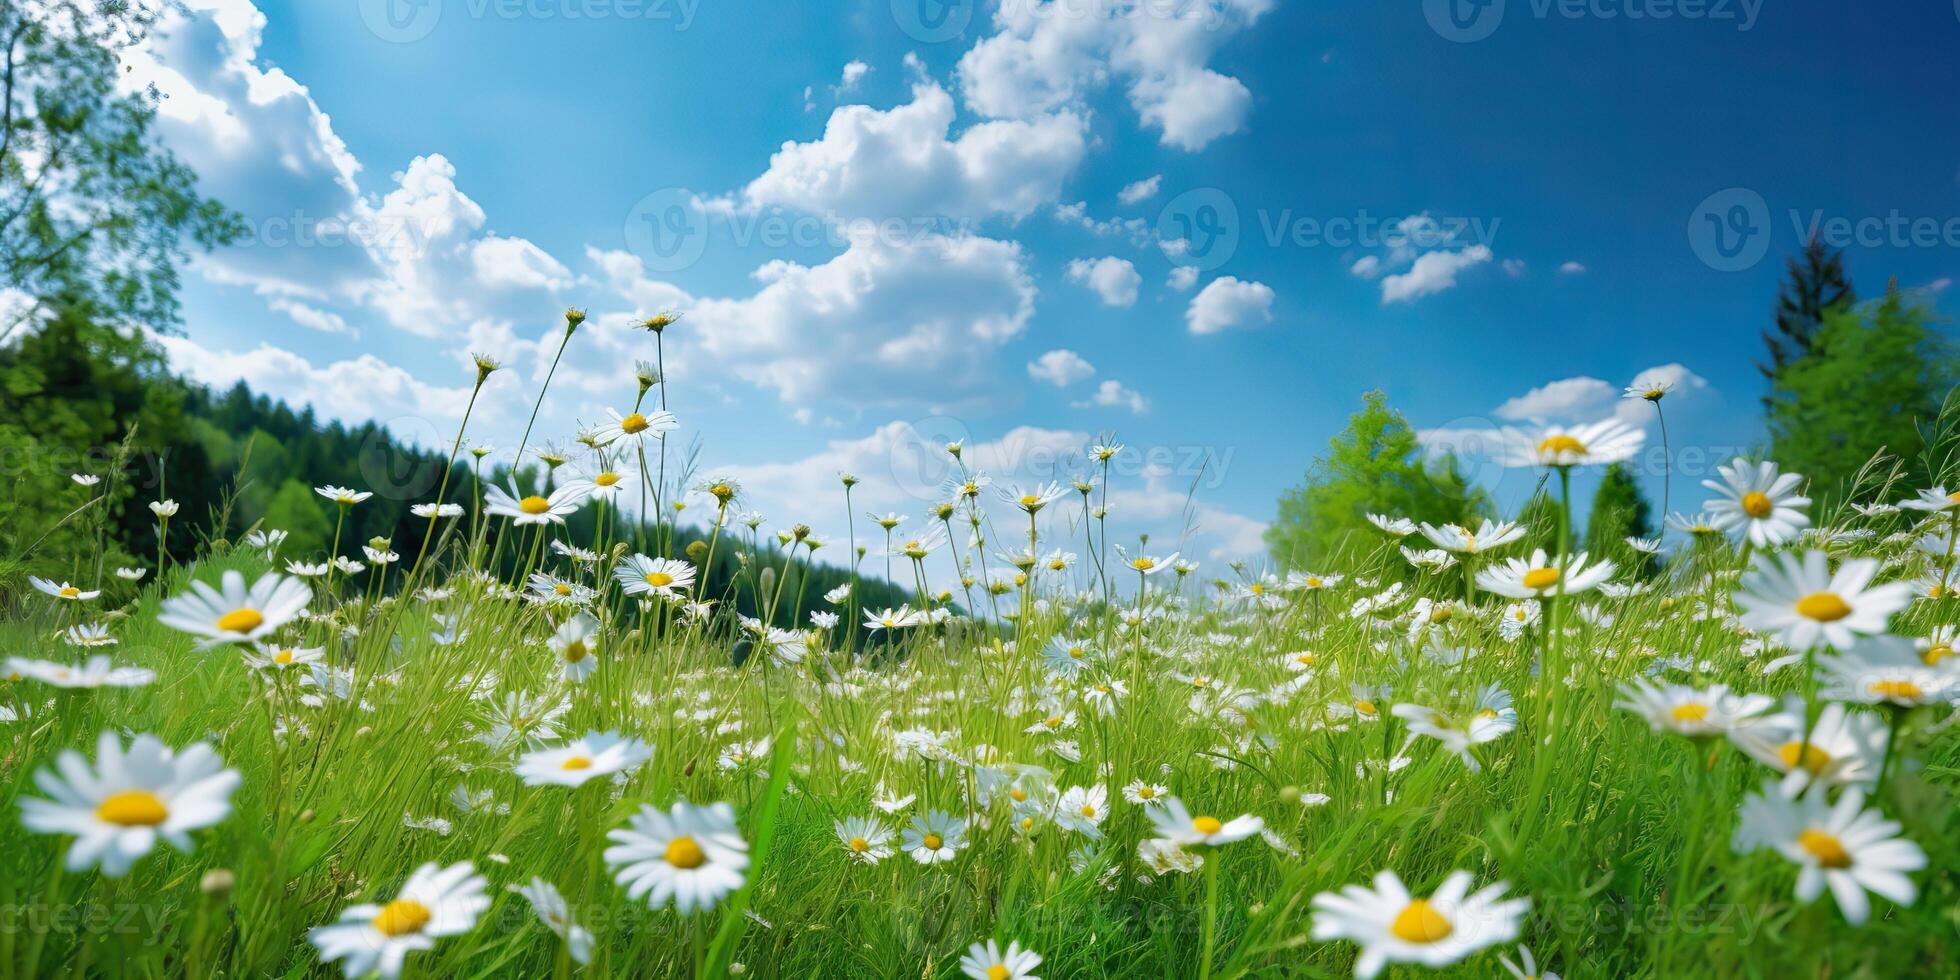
(867, 839)
(571, 764)
(1845, 747)
(533, 509)
(1845, 847)
(1030, 499)
(1174, 823)
(1529, 971)
(375, 939)
(892, 619)
(1800, 602)
(1452, 537)
(1537, 577)
(1082, 810)
(119, 807)
(986, 961)
(95, 673)
(1491, 718)
(65, 591)
(88, 635)
(641, 575)
(691, 856)
(556, 915)
(132, 574)
(934, 837)
(1691, 711)
(1759, 501)
(1145, 794)
(1933, 501)
(575, 644)
(434, 511)
(232, 613)
(1392, 926)
(342, 495)
(634, 428)
(1394, 526)
(163, 509)
(271, 657)
(1884, 670)
(1609, 441)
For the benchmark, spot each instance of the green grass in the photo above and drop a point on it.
(1618, 835)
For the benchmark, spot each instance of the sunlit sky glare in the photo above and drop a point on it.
(1207, 228)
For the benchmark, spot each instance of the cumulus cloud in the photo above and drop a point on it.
(1043, 57)
(1182, 277)
(1112, 394)
(1431, 273)
(1114, 280)
(1572, 268)
(1229, 302)
(1060, 368)
(1142, 190)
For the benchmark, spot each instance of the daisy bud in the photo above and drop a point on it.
(485, 366)
(659, 321)
(619, 550)
(217, 883)
(573, 317)
(696, 550)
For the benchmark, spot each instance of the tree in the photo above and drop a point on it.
(92, 207)
(1619, 511)
(1873, 373)
(1816, 286)
(1375, 464)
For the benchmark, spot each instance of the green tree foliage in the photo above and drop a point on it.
(1816, 286)
(1375, 464)
(92, 209)
(1874, 373)
(1619, 511)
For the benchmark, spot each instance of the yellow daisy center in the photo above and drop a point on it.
(576, 763)
(402, 917)
(1304, 658)
(1018, 795)
(1207, 825)
(534, 504)
(1896, 690)
(1936, 653)
(562, 589)
(659, 580)
(1077, 653)
(999, 971)
(1814, 759)
(1689, 714)
(606, 479)
(684, 853)
(1439, 614)
(933, 842)
(1366, 707)
(633, 424)
(1825, 847)
(1757, 504)
(860, 845)
(1419, 922)
(70, 592)
(575, 651)
(1313, 581)
(132, 808)
(1541, 578)
(1144, 564)
(283, 657)
(1560, 446)
(1824, 607)
(1089, 810)
(1145, 792)
(1029, 500)
(241, 621)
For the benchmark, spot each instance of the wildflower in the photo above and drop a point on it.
(691, 856)
(934, 837)
(572, 764)
(1082, 810)
(1145, 794)
(88, 635)
(97, 672)
(119, 807)
(1174, 823)
(556, 915)
(1759, 501)
(280, 658)
(1845, 747)
(163, 509)
(374, 939)
(1398, 527)
(342, 495)
(1885, 670)
(892, 619)
(1031, 499)
(1391, 926)
(267, 541)
(434, 511)
(532, 508)
(634, 428)
(1610, 441)
(1538, 577)
(231, 613)
(1491, 718)
(1529, 971)
(575, 645)
(1691, 711)
(1652, 391)
(866, 839)
(1846, 847)
(641, 575)
(1452, 537)
(131, 574)
(1801, 602)
(986, 961)
(62, 591)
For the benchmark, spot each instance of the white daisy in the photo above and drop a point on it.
(1174, 823)
(232, 613)
(1850, 849)
(690, 856)
(641, 575)
(119, 807)
(97, 672)
(1801, 602)
(866, 839)
(571, 764)
(987, 961)
(375, 939)
(1393, 926)
(556, 915)
(1609, 441)
(1538, 576)
(1759, 501)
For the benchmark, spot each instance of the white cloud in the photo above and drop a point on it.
(1047, 56)
(1562, 399)
(854, 72)
(1515, 268)
(1060, 368)
(1432, 272)
(1572, 269)
(1229, 302)
(1112, 394)
(902, 163)
(1182, 277)
(1114, 280)
(514, 262)
(310, 318)
(1142, 190)
(1366, 267)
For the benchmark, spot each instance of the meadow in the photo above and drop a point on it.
(1072, 754)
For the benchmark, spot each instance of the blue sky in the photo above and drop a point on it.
(890, 223)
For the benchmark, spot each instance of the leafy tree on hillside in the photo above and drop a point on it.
(1875, 371)
(1375, 464)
